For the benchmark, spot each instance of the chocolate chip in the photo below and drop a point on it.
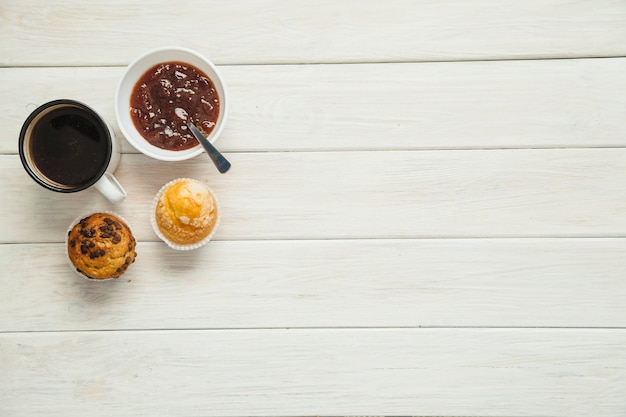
(93, 255)
(117, 238)
(127, 261)
(91, 244)
(130, 246)
(73, 242)
(101, 252)
(117, 225)
(105, 235)
(108, 221)
(84, 249)
(107, 231)
(88, 233)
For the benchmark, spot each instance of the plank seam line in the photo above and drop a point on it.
(355, 62)
(398, 150)
(349, 328)
(376, 239)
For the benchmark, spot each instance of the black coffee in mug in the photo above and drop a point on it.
(65, 146)
(69, 146)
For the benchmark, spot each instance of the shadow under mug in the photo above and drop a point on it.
(65, 146)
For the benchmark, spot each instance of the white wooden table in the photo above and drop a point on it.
(426, 214)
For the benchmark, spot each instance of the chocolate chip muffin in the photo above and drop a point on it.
(101, 246)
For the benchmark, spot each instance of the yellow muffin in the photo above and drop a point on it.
(185, 213)
(101, 246)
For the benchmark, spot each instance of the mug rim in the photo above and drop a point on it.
(25, 160)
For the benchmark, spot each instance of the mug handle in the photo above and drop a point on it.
(110, 187)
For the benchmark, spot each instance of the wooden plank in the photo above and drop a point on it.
(330, 195)
(505, 104)
(443, 372)
(35, 32)
(278, 284)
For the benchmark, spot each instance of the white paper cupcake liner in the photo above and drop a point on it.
(69, 229)
(177, 246)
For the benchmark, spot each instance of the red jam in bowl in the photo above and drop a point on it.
(169, 95)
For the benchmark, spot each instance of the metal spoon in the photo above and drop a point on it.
(218, 159)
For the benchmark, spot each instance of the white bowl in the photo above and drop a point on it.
(127, 84)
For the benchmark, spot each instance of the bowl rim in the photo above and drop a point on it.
(145, 147)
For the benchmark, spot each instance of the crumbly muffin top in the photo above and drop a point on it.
(101, 246)
(186, 212)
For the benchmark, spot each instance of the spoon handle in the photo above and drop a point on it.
(218, 159)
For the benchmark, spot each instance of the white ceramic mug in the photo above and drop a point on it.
(65, 146)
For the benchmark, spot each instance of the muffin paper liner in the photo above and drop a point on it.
(74, 223)
(177, 246)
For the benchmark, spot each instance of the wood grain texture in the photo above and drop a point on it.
(291, 284)
(500, 104)
(99, 32)
(330, 195)
(429, 220)
(488, 372)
